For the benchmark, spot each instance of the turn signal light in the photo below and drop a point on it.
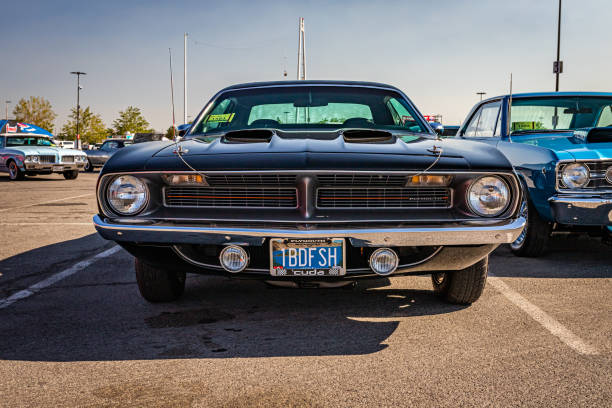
(176, 179)
(427, 180)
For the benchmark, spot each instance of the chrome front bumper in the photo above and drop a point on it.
(582, 210)
(477, 233)
(53, 167)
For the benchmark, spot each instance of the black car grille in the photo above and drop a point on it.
(424, 197)
(598, 171)
(250, 180)
(231, 197)
(47, 158)
(361, 180)
(67, 159)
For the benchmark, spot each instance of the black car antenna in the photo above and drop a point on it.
(510, 110)
(178, 149)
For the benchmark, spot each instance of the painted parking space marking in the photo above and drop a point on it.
(544, 319)
(37, 287)
(25, 224)
(44, 202)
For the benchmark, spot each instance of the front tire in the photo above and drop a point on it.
(88, 167)
(534, 238)
(71, 174)
(158, 285)
(464, 286)
(15, 172)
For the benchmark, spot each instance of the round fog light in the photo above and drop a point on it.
(234, 259)
(384, 261)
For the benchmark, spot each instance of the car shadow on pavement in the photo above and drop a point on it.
(97, 314)
(567, 256)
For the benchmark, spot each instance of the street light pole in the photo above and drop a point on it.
(481, 94)
(558, 66)
(77, 136)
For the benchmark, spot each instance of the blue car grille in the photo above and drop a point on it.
(598, 171)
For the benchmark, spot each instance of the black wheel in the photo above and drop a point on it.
(15, 172)
(464, 286)
(88, 167)
(71, 174)
(158, 285)
(532, 241)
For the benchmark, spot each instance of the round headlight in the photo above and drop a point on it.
(575, 175)
(234, 259)
(609, 175)
(127, 195)
(489, 196)
(33, 159)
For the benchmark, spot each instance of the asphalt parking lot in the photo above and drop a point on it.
(75, 331)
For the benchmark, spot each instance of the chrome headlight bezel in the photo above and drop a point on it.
(609, 175)
(32, 158)
(570, 183)
(123, 181)
(473, 199)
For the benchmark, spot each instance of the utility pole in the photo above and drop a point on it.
(77, 137)
(185, 79)
(558, 64)
(481, 94)
(301, 67)
(6, 108)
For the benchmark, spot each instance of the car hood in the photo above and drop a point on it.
(47, 150)
(567, 145)
(311, 151)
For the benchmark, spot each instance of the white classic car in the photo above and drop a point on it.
(30, 154)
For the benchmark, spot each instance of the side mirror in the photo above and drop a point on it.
(437, 127)
(182, 129)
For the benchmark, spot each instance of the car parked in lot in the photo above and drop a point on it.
(560, 144)
(98, 157)
(27, 150)
(310, 183)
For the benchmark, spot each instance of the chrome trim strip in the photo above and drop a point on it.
(501, 233)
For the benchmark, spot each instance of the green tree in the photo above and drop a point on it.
(170, 133)
(131, 120)
(91, 127)
(35, 110)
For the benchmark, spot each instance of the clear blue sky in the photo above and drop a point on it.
(439, 52)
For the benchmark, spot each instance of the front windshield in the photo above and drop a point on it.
(560, 113)
(28, 141)
(309, 108)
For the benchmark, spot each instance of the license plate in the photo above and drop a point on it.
(57, 168)
(307, 257)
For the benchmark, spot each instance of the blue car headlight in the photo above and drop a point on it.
(575, 175)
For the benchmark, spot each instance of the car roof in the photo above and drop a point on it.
(117, 139)
(308, 82)
(549, 94)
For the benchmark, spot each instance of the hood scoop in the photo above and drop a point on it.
(367, 136)
(594, 135)
(248, 136)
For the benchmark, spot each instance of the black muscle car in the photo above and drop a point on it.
(98, 157)
(310, 183)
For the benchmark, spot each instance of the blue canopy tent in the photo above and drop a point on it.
(12, 126)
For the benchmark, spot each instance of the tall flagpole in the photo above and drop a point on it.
(185, 79)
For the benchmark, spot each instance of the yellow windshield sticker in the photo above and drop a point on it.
(226, 117)
(524, 125)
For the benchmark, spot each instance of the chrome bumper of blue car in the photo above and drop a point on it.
(582, 210)
(500, 232)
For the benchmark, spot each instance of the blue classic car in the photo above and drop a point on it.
(560, 145)
(29, 150)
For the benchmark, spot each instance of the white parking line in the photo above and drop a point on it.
(37, 287)
(20, 224)
(543, 318)
(45, 202)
